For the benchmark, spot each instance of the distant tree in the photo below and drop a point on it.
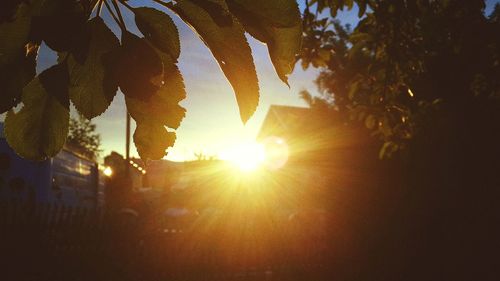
(93, 63)
(201, 156)
(83, 138)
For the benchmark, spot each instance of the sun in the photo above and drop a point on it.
(246, 157)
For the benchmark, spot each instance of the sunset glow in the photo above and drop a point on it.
(246, 156)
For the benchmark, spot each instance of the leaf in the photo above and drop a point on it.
(15, 76)
(216, 10)
(162, 109)
(349, 4)
(353, 89)
(230, 48)
(387, 149)
(137, 65)
(92, 88)
(61, 25)
(163, 106)
(370, 121)
(279, 13)
(152, 140)
(14, 36)
(8, 9)
(276, 23)
(159, 29)
(324, 54)
(46, 7)
(38, 131)
(362, 7)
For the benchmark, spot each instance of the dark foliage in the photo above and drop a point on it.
(421, 76)
(403, 61)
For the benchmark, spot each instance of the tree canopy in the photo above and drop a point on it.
(403, 63)
(93, 63)
(422, 77)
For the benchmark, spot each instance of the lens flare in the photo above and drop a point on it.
(108, 172)
(277, 152)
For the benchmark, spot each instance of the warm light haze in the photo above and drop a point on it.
(247, 156)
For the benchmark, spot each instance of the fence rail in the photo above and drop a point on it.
(53, 242)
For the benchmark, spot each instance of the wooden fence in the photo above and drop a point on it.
(51, 242)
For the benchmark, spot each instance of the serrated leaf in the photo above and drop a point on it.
(14, 36)
(92, 88)
(279, 25)
(230, 48)
(220, 15)
(159, 29)
(38, 131)
(55, 81)
(61, 25)
(152, 140)
(279, 13)
(136, 66)
(163, 106)
(162, 109)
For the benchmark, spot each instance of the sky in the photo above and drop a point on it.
(212, 123)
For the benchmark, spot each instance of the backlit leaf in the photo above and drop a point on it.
(38, 131)
(162, 109)
(15, 76)
(152, 140)
(14, 36)
(163, 106)
(61, 25)
(231, 50)
(279, 13)
(136, 67)
(91, 88)
(220, 15)
(159, 29)
(276, 23)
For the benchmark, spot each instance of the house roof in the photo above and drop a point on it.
(284, 121)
